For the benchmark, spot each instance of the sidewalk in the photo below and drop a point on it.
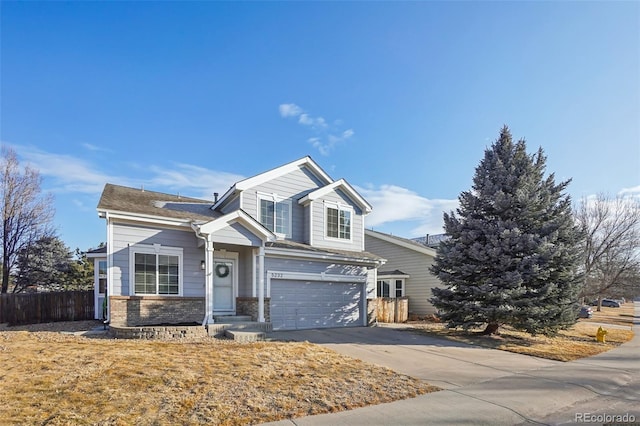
(549, 393)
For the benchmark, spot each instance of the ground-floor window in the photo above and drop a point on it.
(156, 270)
(390, 288)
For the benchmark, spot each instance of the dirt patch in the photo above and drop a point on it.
(60, 378)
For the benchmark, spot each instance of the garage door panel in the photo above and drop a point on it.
(315, 304)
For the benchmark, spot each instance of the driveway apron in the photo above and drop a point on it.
(484, 386)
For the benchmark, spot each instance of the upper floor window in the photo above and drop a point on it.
(275, 214)
(339, 222)
(156, 269)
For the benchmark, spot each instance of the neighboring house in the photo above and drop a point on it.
(432, 241)
(285, 246)
(406, 271)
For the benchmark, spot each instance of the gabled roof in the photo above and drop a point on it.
(143, 203)
(394, 273)
(237, 216)
(342, 185)
(98, 252)
(272, 174)
(402, 242)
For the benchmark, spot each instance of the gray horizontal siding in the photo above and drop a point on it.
(319, 224)
(418, 286)
(236, 234)
(125, 235)
(292, 186)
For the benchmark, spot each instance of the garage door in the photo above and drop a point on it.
(315, 304)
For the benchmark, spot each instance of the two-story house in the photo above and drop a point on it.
(285, 246)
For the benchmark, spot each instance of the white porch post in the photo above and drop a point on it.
(208, 270)
(254, 280)
(261, 284)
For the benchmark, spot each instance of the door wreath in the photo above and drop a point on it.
(222, 270)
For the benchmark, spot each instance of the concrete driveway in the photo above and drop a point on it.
(484, 386)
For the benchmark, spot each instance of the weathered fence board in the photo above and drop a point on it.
(33, 308)
(393, 309)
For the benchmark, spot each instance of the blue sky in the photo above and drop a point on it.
(399, 98)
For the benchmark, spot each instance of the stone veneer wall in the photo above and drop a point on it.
(158, 332)
(132, 311)
(249, 306)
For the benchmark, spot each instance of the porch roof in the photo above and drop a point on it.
(362, 256)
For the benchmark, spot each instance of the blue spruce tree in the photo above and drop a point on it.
(513, 255)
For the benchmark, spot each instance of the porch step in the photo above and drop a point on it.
(226, 319)
(219, 329)
(245, 335)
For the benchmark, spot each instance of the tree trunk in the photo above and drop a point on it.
(492, 328)
(5, 275)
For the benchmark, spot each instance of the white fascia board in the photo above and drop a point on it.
(226, 195)
(285, 252)
(156, 220)
(339, 184)
(281, 171)
(393, 240)
(392, 276)
(241, 217)
(96, 255)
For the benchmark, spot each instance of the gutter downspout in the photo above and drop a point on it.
(208, 276)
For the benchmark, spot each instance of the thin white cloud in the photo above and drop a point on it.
(193, 179)
(313, 122)
(325, 137)
(69, 174)
(393, 204)
(290, 110)
(65, 172)
(634, 191)
(95, 148)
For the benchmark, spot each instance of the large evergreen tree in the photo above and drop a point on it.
(44, 264)
(513, 254)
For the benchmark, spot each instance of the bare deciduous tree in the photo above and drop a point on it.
(26, 213)
(612, 242)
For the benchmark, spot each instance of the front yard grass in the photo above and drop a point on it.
(569, 345)
(52, 378)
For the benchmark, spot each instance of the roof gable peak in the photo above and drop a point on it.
(275, 173)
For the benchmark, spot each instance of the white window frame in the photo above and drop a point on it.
(340, 207)
(101, 276)
(156, 249)
(392, 286)
(275, 199)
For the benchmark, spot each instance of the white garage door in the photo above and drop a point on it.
(315, 304)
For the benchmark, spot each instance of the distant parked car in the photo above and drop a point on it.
(585, 312)
(610, 303)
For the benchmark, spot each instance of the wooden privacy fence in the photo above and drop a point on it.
(392, 309)
(33, 308)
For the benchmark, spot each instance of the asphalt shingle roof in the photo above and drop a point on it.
(141, 201)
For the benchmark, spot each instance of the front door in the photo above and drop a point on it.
(223, 286)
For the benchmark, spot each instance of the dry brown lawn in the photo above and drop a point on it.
(577, 342)
(621, 316)
(54, 379)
